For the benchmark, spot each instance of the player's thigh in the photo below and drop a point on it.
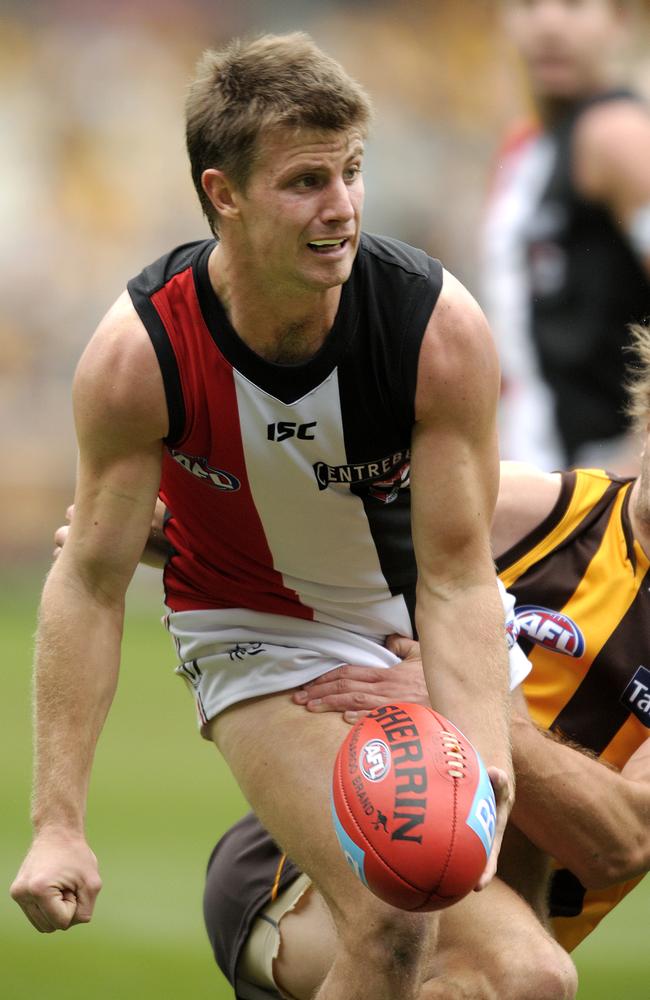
(283, 759)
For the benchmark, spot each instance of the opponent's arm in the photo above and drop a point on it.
(590, 817)
(593, 819)
(526, 496)
(454, 482)
(120, 417)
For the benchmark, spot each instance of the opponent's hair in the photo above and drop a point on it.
(637, 382)
(251, 86)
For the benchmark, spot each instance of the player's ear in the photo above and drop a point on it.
(221, 192)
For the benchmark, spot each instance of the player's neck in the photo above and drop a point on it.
(280, 324)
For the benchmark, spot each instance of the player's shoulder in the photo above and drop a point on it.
(458, 370)
(119, 366)
(399, 287)
(458, 331)
(386, 252)
(117, 382)
(156, 275)
(119, 334)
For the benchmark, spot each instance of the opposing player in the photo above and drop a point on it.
(575, 550)
(570, 204)
(275, 385)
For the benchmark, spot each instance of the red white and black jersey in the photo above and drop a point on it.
(288, 485)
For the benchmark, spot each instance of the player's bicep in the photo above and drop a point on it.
(120, 419)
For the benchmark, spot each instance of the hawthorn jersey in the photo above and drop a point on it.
(581, 583)
(560, 324)
(288, 485)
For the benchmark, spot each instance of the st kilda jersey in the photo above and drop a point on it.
(288, 485)
(581, 583)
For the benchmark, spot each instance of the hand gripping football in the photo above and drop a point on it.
(413, 807)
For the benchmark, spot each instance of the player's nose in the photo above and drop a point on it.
(338, 204)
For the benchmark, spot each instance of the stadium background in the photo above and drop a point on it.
(93, 184)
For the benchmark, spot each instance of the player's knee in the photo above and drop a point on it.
(543, 971)
(555, 978)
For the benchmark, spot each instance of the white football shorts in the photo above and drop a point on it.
(227, 656)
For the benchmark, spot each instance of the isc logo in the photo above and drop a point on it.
(374, 760)
(550, 629)
(287, 429)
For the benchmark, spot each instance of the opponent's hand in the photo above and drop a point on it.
(58, 881)
(355, 691)
(504, 798)
(61, 533)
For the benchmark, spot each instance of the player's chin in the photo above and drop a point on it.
(328, 271)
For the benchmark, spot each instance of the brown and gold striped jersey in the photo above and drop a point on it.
(583, 608)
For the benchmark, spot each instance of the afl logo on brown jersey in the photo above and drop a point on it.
(550, 629)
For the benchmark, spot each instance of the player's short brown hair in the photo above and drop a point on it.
(271, 81)
(638, 377)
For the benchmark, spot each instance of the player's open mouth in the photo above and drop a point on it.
(325, 247)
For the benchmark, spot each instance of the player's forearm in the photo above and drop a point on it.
(592, 819)
(466, 665)
(75, 675)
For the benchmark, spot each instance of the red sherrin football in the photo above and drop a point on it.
(413, 807)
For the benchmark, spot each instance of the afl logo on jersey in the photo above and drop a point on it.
(199, 468)
(550, 629)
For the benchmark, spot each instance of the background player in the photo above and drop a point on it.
(567, 238)
(277, 413)
(574, 548)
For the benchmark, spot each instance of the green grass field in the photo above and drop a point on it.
(160, 798)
